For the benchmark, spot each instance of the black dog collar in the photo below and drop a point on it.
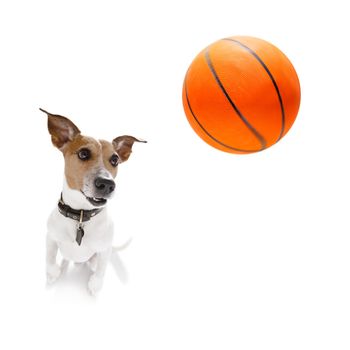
(78, 215)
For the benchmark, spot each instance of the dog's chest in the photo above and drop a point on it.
(98, 235)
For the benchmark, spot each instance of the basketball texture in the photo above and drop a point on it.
(241, 94)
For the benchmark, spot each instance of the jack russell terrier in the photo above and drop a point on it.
(79, 226)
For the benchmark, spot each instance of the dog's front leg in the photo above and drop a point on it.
(96, 279)
(53, 270)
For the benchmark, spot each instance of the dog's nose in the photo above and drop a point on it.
(104, 186)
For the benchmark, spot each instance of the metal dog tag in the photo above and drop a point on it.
(80, 234)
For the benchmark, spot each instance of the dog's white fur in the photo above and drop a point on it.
(96, 246)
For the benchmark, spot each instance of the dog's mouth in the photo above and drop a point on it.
(97, 202)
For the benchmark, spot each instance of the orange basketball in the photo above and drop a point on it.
(241, 94)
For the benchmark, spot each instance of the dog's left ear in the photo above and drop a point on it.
(123, 146)
(61, 129)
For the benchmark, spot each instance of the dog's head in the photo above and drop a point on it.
(90, 165)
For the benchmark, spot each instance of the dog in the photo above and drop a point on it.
(79, 226)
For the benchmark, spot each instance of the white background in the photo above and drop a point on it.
(228, 251)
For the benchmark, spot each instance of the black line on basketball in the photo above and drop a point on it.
(271, 77)
(242, 117)
(205, 130)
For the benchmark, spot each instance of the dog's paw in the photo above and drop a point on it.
(92, 263)
(94, 284)
(52, 273)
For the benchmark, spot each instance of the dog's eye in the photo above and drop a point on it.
(114, 160)
(84, 154)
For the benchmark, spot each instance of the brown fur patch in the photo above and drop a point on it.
(76, 169)
(107, 152)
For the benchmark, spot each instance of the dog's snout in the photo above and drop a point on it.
(104, 186)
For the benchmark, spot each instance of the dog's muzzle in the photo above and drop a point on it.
(99, 188)
(104, 186)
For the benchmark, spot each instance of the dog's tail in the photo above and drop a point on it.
(123, 246)
(118, 264)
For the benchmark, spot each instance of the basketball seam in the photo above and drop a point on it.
(255, 55)
(207, 132)
(233, 105)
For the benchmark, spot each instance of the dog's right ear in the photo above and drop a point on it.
(61, 129)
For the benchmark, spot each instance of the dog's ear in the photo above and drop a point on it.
(61, 129)
(123, 146)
